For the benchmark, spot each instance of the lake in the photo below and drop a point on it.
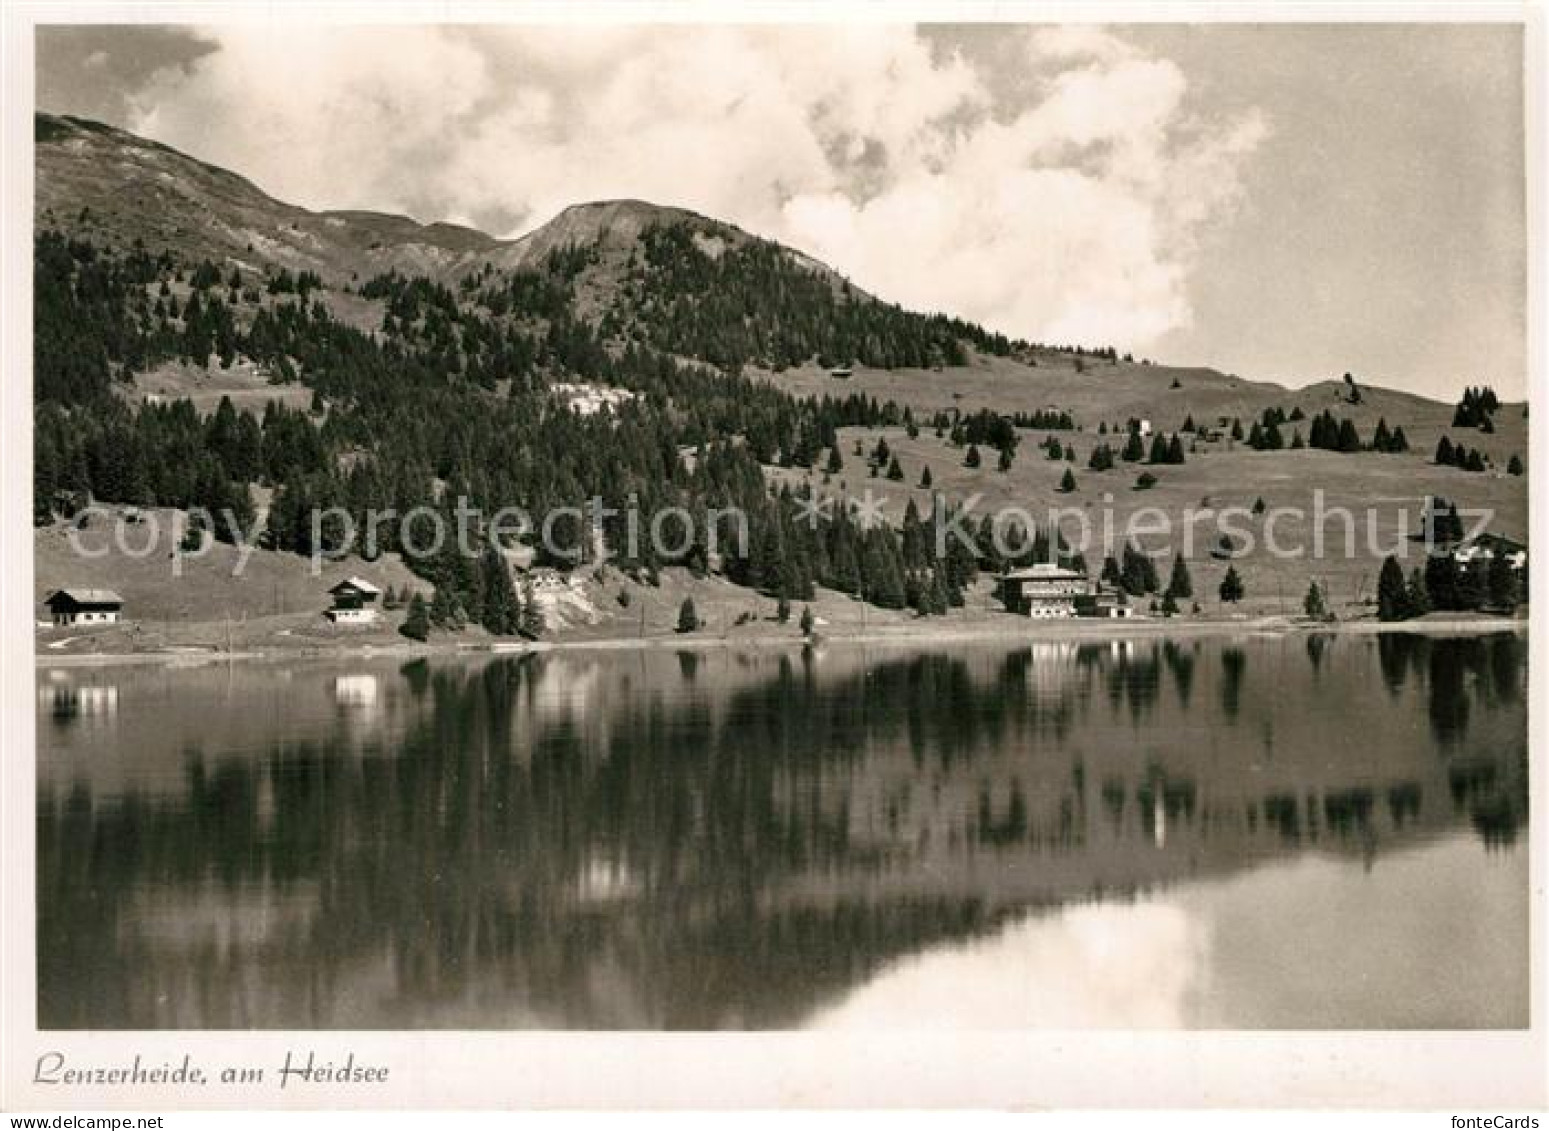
(1299, 831)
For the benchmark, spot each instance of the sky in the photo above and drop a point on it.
(1286, 202)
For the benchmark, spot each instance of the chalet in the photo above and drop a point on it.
(84, 606)
(1104, 601)
(1486, 547)
(354, 602)
(1044, 590)
(841, 373)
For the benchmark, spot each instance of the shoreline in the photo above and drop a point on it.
(1013, 631)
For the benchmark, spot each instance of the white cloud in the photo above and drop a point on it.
(1069, 216)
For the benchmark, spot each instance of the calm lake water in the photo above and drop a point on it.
(1269, 832)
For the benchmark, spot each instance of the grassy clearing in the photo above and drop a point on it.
(246, 385)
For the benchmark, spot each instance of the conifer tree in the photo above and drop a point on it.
(416, 626)
(500, 610)
(940, 595)
(1138, 572)
(1502, 583)
(1381, 440)
(688, 617)
(1349, 439)
(1392, 592)
(1473, 586)
(1232, 589)
(1180, 584)
(530, 621)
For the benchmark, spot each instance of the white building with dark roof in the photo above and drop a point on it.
(1044, 590)
(68, 607)
(354, 602)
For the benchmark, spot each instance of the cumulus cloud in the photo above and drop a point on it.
(1065, 206)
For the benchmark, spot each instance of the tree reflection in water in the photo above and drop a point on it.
(729, 842)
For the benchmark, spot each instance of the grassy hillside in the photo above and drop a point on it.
(276, 601)
(192, 601)
(1096, 391)
(1218, 475)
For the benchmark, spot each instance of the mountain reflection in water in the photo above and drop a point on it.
(1262, 832)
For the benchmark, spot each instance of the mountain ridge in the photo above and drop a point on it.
(88, 164)
(112, 185)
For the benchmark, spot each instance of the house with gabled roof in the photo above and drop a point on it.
(354, 602)
(1044, 589)
(68, 607)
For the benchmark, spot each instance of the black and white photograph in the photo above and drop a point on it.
(784, 529)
